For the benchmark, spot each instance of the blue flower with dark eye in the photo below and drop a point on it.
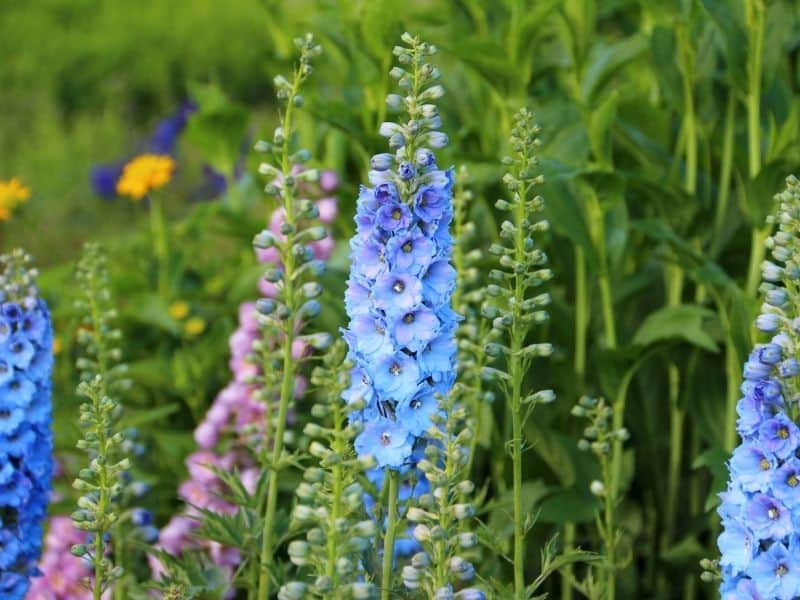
(432, 202)
(396, 293)
(416, 328)
(737, 545)
(393, 216)
(769, 353)
(779, 435)
(410, 252)
(753, 467)
(768, 518)
(12, 312)
(786, 483)
(386, 440)
(776, 573)
(416, 413)
(396, 377)
(18, 350)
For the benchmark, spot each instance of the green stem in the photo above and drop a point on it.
(581, 314)
(158, 231)
(610, 535)
(289, 365)
(339, 446)
(388, 540)
(579, 365)
(755, 21)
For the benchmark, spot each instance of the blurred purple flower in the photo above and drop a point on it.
(162, 141)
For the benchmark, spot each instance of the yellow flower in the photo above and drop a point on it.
(57, 345)
(178, 310)
(145, 173)
(12, 194)
(194, 326)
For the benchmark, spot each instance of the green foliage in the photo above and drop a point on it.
(661, 149)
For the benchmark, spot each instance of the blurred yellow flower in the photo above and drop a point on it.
(12, 194)
(194, 326)
(57, 345)
(145, 173)
(178, 310)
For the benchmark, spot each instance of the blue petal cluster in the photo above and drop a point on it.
(760, 511)
(401, 332)
(26, 440)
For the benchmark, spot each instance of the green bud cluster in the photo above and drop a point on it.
(330, 505)
(442, 518)
(101, 483)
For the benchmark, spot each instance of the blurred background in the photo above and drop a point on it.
(667, 128)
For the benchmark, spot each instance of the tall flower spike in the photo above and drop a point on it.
(401, 332)
(401, 281)
(293, 295)
(102, 482)
(443, 517)
(330, 507)
(26, 441)
(514, 308)
(760, 549)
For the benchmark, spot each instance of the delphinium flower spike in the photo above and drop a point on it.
(599, 437)
(759, 544)
(474, 331)
(103, 377)
(295, 289)
(442, 517)
(26, 440)
(514, 309)
(330, 506)
(401, 331)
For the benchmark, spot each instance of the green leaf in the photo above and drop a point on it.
(600, 121)
(676, 322)
(735, 36)
(218, 128)
(606, 60)
(758, 200)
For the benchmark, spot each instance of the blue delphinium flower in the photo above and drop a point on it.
(26, 440)
(401, 333)
(760, 553)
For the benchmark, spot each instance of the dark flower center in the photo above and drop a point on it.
(396, 214)
(407, 247)
(773, 513)
(781, 570)
(415, 403)
(16, 348)
(386, 439)
(395, 369)
(409, 318)
(4, 414)
(792, 480)
(783, 433)
(764, 464)
(399, 286)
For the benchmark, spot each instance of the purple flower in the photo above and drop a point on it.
(768, 517)
(396, 376)
(779, 435)
(752, 467)
(397, 292)
(776, 573)
(416, 328)
(388, 441)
